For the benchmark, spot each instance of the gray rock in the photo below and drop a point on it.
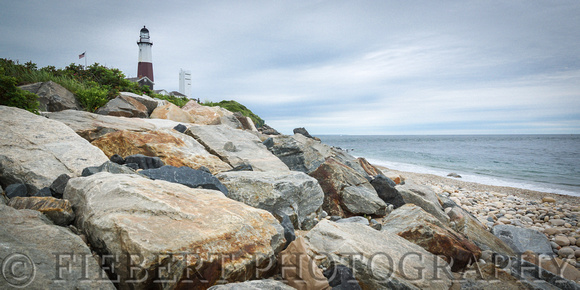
(299, 152)
(266, 284)
(53, 97)
(108, 166)
(269, 143)
(37, 248)
(340, 277)
(186, 176)
(57, 210)
(386, 190)
(267, 130)
(124, 106)
(150, 103)
(247, 123)
(423, 197)
(58, 185)
(473, 229)
(116, 158)
(302, 131)
(93, 126)
(355, 219)
(16, 189)
(180, 128)
(293, 193)
(45, 191)
(145, 162)
(379, 260)
(346, 192)
(521, 240)
(289, 233)
(248, 147)
(35, 150)
(127, 214)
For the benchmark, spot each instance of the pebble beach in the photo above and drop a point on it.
(555, 215)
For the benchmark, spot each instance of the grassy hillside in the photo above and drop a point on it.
(93, 86)
(234, 106)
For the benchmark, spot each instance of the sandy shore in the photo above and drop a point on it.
(531, 195)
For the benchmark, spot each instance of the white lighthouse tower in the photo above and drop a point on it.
(145, 66)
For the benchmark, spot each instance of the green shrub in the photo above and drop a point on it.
(92, 97)
(11, 95)
(234, 106)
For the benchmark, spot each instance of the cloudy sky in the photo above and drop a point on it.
(334, 67)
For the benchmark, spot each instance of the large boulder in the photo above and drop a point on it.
(150, 103)
(36, 254)
(152, 230)
(478, 233)
(425, 198)
(295, 194)
(202, 115)
(346, 192)
(522, 240)
(299, 153)
(205, 115)
(57, 210)
(379, 260)
(236, 147)
(247, 123)
(421, 228)
(124, 106)
(173, 148)
(386, 190)
(92, 126)
(171, 112)
(186, 176)
(35, 150)
(53, 97)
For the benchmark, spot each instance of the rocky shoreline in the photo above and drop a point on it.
(555, 215)
(145, 194)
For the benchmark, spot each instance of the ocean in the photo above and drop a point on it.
(547, 163)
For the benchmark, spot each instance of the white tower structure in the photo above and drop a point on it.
(185, 82)
(145, 66)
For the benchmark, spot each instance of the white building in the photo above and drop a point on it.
(185, 82)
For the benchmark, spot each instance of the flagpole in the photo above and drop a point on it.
(85, 60)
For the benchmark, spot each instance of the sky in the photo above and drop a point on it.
(334, 67)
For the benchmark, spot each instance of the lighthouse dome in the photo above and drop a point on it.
(144, 33)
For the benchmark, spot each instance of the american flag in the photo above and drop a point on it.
(82, 55)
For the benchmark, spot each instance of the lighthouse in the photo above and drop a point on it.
(145, 66)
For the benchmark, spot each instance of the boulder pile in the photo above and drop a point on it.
(144, 194)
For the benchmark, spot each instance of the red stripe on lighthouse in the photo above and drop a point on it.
(145, 69)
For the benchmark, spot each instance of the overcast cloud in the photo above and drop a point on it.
(334, 67)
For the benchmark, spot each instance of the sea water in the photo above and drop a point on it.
(548, 163)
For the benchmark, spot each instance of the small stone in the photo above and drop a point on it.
(16, 190)
(572, 240)
(508, 216)
(546, 218)
(557, 222)
(548, 199)
(578, 242)
(504, 221)
(567, 225)
(551, 231)
(577, 253)
(562, 241)
(565, 252)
